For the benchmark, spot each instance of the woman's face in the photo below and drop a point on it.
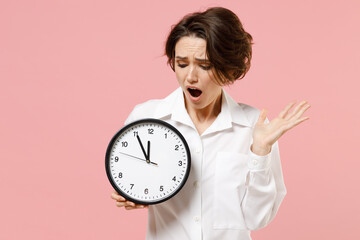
(193, 72)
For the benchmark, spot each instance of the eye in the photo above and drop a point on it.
(182, 65)
(205, 67)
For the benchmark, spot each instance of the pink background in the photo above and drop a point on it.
(71, 71)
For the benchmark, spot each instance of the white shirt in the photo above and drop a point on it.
(230, 190)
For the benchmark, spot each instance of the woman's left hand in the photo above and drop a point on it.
(266, 134)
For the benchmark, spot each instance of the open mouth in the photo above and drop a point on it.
(194, 92)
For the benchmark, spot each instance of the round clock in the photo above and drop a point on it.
(148, 161)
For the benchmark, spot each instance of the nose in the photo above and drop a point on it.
(192, 75)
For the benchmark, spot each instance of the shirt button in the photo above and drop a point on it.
(196, 184)
(255, 162)
(196, 219)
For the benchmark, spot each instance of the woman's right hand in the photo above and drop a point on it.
(122, 202)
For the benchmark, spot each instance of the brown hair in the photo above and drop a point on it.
(228, 45)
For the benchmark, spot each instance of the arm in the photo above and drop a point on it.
(265, 187)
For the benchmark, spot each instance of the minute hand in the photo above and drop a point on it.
(138, 158)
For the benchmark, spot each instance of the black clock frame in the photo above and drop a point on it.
(125, 128)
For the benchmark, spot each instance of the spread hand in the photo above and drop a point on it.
(266, 134)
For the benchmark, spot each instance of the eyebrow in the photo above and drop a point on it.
(197, 59)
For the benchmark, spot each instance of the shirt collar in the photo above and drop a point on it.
(231, 112)
(238, 115)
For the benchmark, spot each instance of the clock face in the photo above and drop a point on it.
(148, 161)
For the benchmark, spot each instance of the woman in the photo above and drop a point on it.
(235, 183)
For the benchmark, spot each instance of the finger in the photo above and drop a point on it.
(129, 208)
(121, 204)
(125, 204)
(296, 110)
(141, 206)
(301, 112)
(130, 203)
(117, 197)
(262, 116)
(284, 112)
(138, 206)
(297, 122)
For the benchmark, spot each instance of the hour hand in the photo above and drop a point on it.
(143, 150)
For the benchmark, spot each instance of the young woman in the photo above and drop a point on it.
(235, 183)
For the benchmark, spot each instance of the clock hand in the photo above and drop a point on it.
(142, 148)
(148, 151)
(138, 158)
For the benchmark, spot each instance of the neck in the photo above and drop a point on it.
(207, 114)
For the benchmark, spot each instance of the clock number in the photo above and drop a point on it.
(116, 159)
(120, 174)
(124, 144)
(151, 131)
(165, 135)
(176, 147)
(161, 188)
(174, 179)
(146, 191)
(132, 185)
(136, 133)
(180, 163)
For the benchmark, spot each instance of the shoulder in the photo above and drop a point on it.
(249, 110)
(153, 108)
(243, 114)
(252, 113)
(143, 110)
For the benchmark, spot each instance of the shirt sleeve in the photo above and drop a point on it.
(265, 188)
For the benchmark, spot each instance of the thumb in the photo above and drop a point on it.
(262, 116)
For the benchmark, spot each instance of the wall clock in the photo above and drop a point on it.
(148, 161)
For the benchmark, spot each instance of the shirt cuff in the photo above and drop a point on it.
(256, 162)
